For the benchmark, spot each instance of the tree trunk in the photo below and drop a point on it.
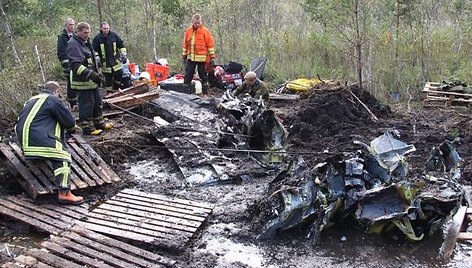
(358, 44)
(100, 11)
(16, 56)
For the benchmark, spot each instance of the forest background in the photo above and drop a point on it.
(389, 46)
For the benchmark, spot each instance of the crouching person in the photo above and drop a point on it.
(40, 131)
(255, 88)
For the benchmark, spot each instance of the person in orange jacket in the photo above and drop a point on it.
(197, 46)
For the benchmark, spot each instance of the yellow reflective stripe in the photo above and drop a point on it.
(82, 85)
(106, 70)
(200, 58)
(192, 43)
(81, 69)
(31, 115)
(46, 152)
(114, 48)
(57, 133)
(65, 61)
(65, 178)
(117, 67)
(61, 170)
(211, 50)
(102, 48)
(123, 49)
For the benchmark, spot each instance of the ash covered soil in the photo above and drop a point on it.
(321, 121)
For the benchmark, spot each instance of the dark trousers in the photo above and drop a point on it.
(90, 107)
(61, 174)
(71, 94)
(113, 79)
(190, 71)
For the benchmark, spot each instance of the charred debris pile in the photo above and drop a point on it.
(369, 184)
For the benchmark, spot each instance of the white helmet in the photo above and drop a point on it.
(145, 75)
(163, 62)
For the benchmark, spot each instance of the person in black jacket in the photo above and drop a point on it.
(40, 131)
(85, 80)
(62, 40)
(111, 52)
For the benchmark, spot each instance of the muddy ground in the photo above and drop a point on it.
(325, 121)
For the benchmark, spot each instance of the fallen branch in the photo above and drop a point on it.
(365, 106)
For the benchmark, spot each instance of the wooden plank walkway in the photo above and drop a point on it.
(36, 177)
(50, 218)
(149, 218)
(435, 97)
(84, 248)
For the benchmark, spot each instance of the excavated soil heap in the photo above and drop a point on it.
(332, 110)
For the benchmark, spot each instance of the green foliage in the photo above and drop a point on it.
(404, 42)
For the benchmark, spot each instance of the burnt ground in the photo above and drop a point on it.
(325, 121)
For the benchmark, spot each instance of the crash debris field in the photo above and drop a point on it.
(331, 178)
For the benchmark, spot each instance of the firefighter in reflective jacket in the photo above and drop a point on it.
(111, 52)
(197, 46)
(85, 80)
(62, 40)
(40, 131)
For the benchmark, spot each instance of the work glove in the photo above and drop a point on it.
(97, 78)
(66, 67)
(98, 61)
(74, 129)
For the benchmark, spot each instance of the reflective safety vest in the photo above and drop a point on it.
(82, 64)
(40, 127)
(108, 48)
(198, 44)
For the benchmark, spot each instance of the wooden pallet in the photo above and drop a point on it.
(149, 218)
(36, 177)
(435, 97)
(83, 248)
(50, 218)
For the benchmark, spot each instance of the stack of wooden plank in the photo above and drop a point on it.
(434, 96)
(36, 177)
(131, 97)
(82, 248)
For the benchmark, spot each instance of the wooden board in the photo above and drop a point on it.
(84, 248)
(50, 218)
(131, 100)
(36, 177)
(452, 233)
(436, 97)
(281, 96)
(149, 218)
(137, 89)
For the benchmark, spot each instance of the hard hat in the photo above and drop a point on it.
(163, 62)
(250, 75)
(145, 75)
(219, 71)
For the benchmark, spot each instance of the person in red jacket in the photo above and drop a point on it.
(197, 46)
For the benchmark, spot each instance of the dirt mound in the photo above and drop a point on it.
(329, 109)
